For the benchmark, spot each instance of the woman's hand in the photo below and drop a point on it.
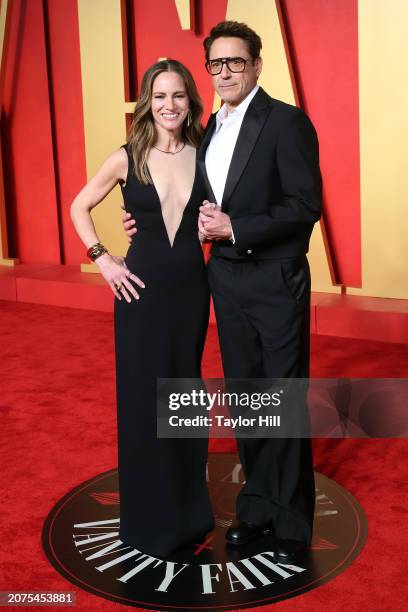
(118, 276)
(202, 238)
(213, 224)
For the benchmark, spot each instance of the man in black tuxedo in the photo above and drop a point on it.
(260, 159)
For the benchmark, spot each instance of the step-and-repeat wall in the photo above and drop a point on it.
(70, 74)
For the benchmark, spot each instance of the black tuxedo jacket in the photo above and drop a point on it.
(273, 188)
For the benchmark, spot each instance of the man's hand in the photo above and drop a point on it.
(129, 224)
(202, 238)
(212, 223)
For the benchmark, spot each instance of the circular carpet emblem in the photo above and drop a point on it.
(80, 538)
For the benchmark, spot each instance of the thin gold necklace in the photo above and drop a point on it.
(171, 152)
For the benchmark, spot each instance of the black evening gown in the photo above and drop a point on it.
(164, 502)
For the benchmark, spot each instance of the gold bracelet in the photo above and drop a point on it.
(96, 250)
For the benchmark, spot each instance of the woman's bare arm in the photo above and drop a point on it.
(113, 169)
(113, 269)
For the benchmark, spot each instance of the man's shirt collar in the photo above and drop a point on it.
(238, 111)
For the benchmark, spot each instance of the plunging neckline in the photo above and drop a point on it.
(184, 209)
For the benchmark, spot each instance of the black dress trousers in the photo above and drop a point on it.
(263, 315)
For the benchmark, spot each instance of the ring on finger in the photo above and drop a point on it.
(118, 286)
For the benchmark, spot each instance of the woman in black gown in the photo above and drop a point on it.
(161, 315)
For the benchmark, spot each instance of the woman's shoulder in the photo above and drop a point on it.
(118, 157)
(117, 163)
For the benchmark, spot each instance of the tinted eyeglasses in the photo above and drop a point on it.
(234, 64)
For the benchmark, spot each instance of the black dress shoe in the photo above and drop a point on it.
(289, 551)
(246, 532)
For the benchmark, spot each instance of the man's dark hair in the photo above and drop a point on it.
(236, 30)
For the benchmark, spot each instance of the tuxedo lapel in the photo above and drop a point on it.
(201, 155)
(251, 127)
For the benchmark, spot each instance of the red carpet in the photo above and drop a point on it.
(58, 429)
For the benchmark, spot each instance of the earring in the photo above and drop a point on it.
(189, 118)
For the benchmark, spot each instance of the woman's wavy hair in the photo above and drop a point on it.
(142, 134)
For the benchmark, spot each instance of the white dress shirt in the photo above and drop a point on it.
(221, 148)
